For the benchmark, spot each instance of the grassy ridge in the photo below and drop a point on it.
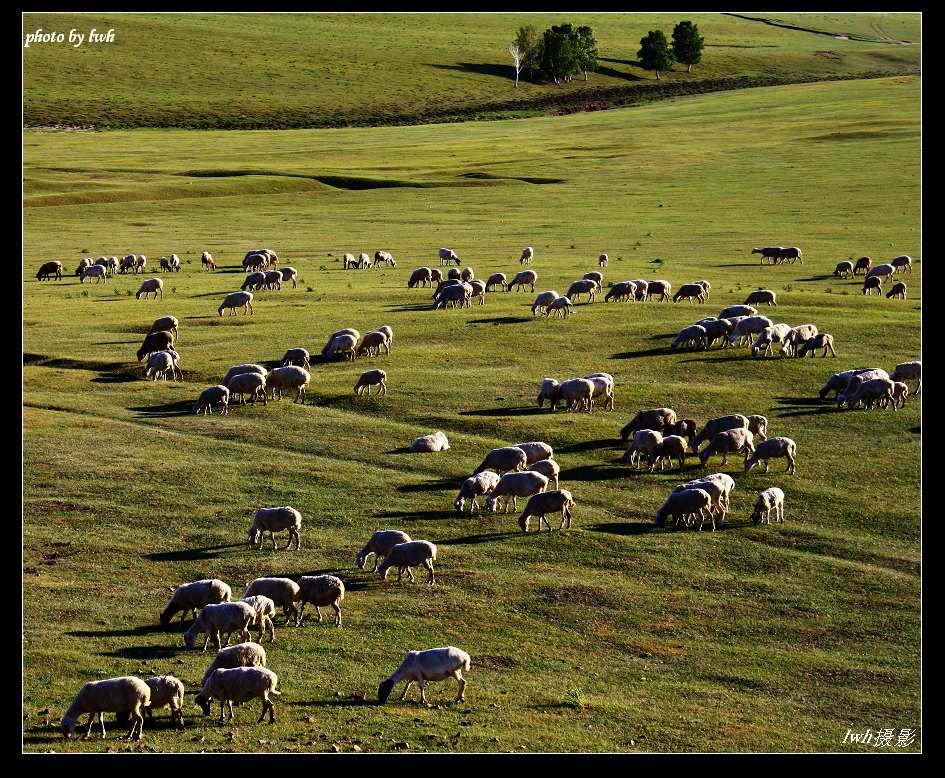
(319, 70)
(613, 636)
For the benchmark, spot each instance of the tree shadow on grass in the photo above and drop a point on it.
(191, 554)
(179, 408)
(596, 473)
(804, 406)
(606, 71)
(501, 320)
(505, 72)
(529, 411)
(590, 445)
(632, 62)
(117, 378)
(415, 515)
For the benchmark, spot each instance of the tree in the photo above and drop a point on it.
(654, 53)
(516, 53)
(687, 44)
(529, 43)
(587, 50)
(560, 53)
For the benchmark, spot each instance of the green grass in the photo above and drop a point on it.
(612, 636)
(319, 70)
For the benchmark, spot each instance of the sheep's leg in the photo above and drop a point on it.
(461, 683)
(423, 697)
(431, 580)
(88, 732)
(404, 695)
(337, 613)
(410, 575)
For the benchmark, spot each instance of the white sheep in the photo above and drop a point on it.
(549, 391)
(776, 333)
(206, 260)
(436, 441)
(797, 337)
(758, 426)
(297, 356)
(693, 336)
(719, 424)
(869, 392)
(371, 378)
(420, 277)
(548, 468)
(621, 291)
(737, 310)
(584, 286)
(265, 613)
(661, 288)
(236, 300)
(684, 505)
(150, 286)
(688, 291)
(288, 377)
(503, 460)
(496, 279)
(733, 441)
(373, 342)
(528, 254)
(535, 451)
(822, 340)
(159, 363)
(899, 394)
(838, 381)
(473, 487)
(453, 295)
(760, 296)
(523, 278)
(643, 442)
(843, 268)
(898, 290)
(750, 325)
(669, 448)
(273, 279)
(118, 695)
(389, 332)
(873, 282)
(289, 274)
(467, 274)
(403, 556)
(515, 485)
(98, 272)
(253, 384)
(771, 499)
(603, 387)
(903, 262)
(602, 260)
(651, 419)
(420, 667)
(478, 290)
(166, 692)
(549, 501)
(247, 654)
(249, 367)
(255, 280)
(856, 380)
(577, 393)
(191, 597)
(717, 489)
(284, 592)
(909, 370)
(774, 448)
(380, 544)
(560, 307)
(447, 256)
(166, 323)
(240, 684)
(273, 520)
(881, 271)
(344, 343)
(215, 620)
(321, 591)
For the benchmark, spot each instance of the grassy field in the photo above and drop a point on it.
(299, 70)
(613, 636)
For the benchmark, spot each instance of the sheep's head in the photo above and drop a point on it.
(492, 503)
(384, 690)
(360, 559)
(756, 516)
(458, 504)
(190, 638)
(203, 703)
(252, 535)
(68, 726)
(523, 523)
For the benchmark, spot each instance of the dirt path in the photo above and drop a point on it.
(883, 37)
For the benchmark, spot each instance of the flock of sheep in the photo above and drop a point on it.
(873, 276)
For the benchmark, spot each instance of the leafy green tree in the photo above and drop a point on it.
(654, 53)
(529, 44)
(587, 50)
(687, 44)
(560, 53)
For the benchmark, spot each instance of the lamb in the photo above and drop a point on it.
(284, 592)
(467, 275)
(255, 281)
(403, 556)
(190, 597)
(670, 447)
(602, 260)
(871, 283)
(869, 392)
(239, 655)
(864, 264)
(371, 378)
(426, 444)
(685, 428)
(662, 288)
(240, 369)
(750, 325)
(215, 620)
(504, 460)
(515, 485)
(473, 487)
(584, 286)
(522, 278)
(776, 333)
(771, 449)
(273, 279)
(838, 381)
(543, 300)
(344, 342)
(155, 341)
(447, 256)
(911, 370)
(548, 468)
(720, 424)
(236, 300)
(265, 612)
(822, 340)
(159, 363)
(381, 543)
(688, 291)
(856, 380)
(125, 694)
(899, 394)
(652, 419)
(577, 392)
(843, 268)
(886, 269)
(737, 310)
(621, 291)
(692, 336)
(211, 396)
(903, 262)
(595, 275)
(528, 254)
(296, 356)
(718, 486)
(541, 504)
(769, 500)
(419, 667)
(273, 520)
(240, 684)
(420, 277)
(321, 591)
(733, 441)
(549, 390)
(898, 290)
(684, 504)
(206, 260)
(166, 692)
(496, 279)
(760, 296)
(47, 269)
(798, 336)
(253, 384)
(288, 377)
(168, 323)
(603, 387)
(643, 442)
(97, 272)
(560, 306)
(478, 290)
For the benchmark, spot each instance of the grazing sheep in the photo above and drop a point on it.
(869, 392)
(454, 274)
(793, 254)
(670, 447)
(595, 275)
(371, 378)
(349, 261)
(427, 444)
(550, 501)
(686, 504)
(602, 260)
(776, 333)
(47, 269)
(273, 279)
(522, 278)
(718, 486)
(684, 428)
(265, 612)
(771, 253)
(548, 468)
(515, 485)
(621, 291)
(240, 369)
(843, 268)
(560, 306)
(247, 654)
(478, 290)
(150, 286)
(321, 591)
(389, 332)
(215, 620)
(882, 271)
(288, 377)
(838, 381)
(864, 264)
(98, 272)
(688, 291)
(641, 287)
(236, 300)
(168, 323)
(643, 442)
(447, 256)
(403, 556)
(211, 396)
(528, 254)
(543, 300)
(273, 520)
(190, 597)
(166, 692)
(422, 276)
(441, 285)
(732, 441)
(692, 336)
(239, 684)
(384, 258)
(822, 340)
(296, 356)
(83, 264)
(662, 288)
(797, 337)
(168, 265)
(719, 424)
(255, 281)
(899, 394)
(912, 370)
(758, 426)
(585, 286)
(289, 274)
(380, 544)
(496, 279)
(737, 310)
(750, 325)
(898, 290)
(760, 296)
(155, 341)
(706, 287)
(773, 448)
(436, 275)
(855, 381)
(504, 460)
(206, 260)
(125, 264)
(903, 262)
(652, 419)
(467, 275)
(549, 390)
(420, 667)
(577, 393)
(451, 295)
(255, 260)
(118, 695)
(343, 342)
(159, 363)
(603, 387)
(473, 487)
(769, 500)
(140, 262)
(253, 384)
(282, 591)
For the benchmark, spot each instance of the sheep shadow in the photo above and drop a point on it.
(595, 473)
(742, 358)
(116, 378)
(343, 702)
(415, 515)
(526, 411)
(401, 450)
(144, 653)
(805, 406)
(431, 486)
(590, 445)
(179, 408)
(191, 554)
(144, 629)
(411, 307)
(650, 352)
(624, 528)
(497, 320)
(469, 540)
